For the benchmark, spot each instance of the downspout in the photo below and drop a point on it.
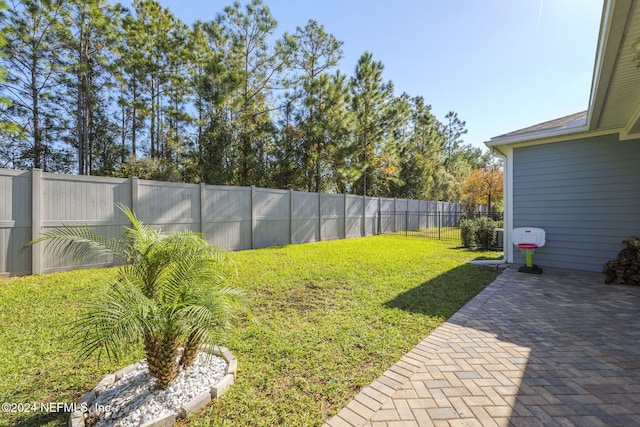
(506, 197)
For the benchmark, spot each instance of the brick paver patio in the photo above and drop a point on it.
(529, 350)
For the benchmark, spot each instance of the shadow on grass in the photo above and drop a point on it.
(493, 255)
(446, 293)
(43, 418)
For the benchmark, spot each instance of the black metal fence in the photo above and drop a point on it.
(431, 225)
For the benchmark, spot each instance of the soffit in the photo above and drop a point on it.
(616, 95)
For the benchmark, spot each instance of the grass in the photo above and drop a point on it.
(330, 317)
(441, 233)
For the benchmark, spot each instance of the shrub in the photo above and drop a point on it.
(478, 232)
(169, 293)
(468, 228)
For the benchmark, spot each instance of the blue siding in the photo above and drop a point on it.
(584, 193)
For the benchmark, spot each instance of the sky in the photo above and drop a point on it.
(502, 65)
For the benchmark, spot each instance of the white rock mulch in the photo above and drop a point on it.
(134, 399)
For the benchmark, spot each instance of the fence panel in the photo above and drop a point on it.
(402, 206)
(371, 216)
(80, 200)
(304, 215)
(332, 216)
(170, 206)
(423, 222)
(226, 216)
(387, 222)
(271, 216)
(413, 205)
(353, 216)
(234, 218)
(15, 221)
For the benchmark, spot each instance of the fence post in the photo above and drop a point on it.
(291, 216)
(319, 217)
(253, 190)
(202, 213)
(395, 214)
(134, 193)
(379, 215)
(363, 226)
(439, 213)
(406, 223)
(36, 219)
(344, 236)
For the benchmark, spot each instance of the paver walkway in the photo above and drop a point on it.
(529, 350)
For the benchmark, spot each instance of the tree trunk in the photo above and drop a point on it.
(123, 132)
(162, 350)
(190, 352)
(37, 132)
(82, 111)
(134, 123)
(152, 128)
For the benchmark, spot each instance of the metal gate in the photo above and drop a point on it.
(441, 225)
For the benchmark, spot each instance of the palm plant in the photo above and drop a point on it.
(167, 294)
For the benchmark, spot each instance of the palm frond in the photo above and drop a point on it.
(221, 302)
(114, 321)
(79, 242)
(191, 274)
(166, 294)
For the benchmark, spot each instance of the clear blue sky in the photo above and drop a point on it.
(500, 64)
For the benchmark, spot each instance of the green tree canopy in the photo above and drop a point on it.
(96, 88)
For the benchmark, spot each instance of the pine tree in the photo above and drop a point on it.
(213, 84)
(332, 131)
(8, 128)
(453, 130)
(34, 70)
(88, 40)
(371, 105)
(289, 171)
(420, 154)
(315, 53)
(257, 66)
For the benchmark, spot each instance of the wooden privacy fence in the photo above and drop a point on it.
(235, 218)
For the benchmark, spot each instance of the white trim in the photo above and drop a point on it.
(626, 134)
(535, 135)
(629, 136)
(558, 138)
(599, 64)
(508, 203)
(506, 197)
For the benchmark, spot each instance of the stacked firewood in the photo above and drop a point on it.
(625, 269)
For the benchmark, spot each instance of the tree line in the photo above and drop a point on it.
(96, 88)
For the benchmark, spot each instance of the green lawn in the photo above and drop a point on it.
(441, 233)
(329, 318)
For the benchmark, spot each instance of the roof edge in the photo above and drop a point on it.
(607, 52)
(532, 136)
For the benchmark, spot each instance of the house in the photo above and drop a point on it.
(578, 177)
